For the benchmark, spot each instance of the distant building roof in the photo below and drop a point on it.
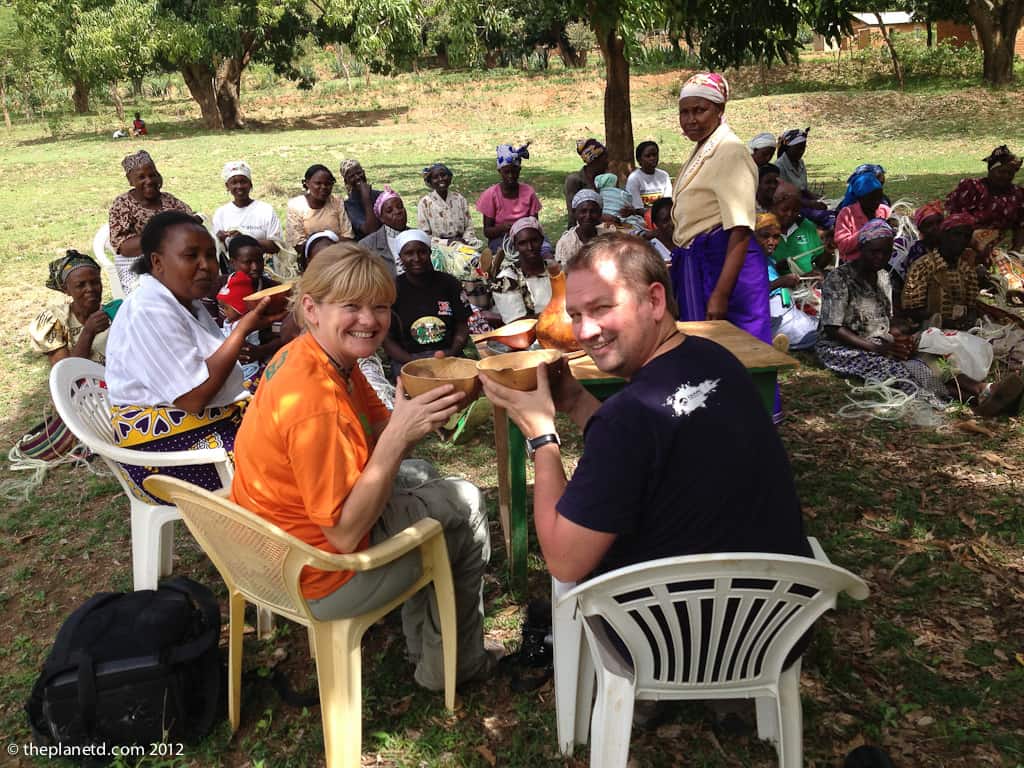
(888, 18)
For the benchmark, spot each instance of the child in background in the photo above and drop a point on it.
(245, 254)
(246, 257)
(139, 126)
(231, 299)
(648, 183)
(613, 200)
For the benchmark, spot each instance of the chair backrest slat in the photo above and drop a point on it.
(710, 623)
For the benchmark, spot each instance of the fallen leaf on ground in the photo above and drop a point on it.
(975, 427)
(487, 755)
(996, 459)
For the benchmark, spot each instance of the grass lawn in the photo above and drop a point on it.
(931, 667)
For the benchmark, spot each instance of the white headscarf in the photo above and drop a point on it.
(407, 236)
(236, 168)
(762, 141)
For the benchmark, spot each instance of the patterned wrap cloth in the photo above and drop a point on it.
(166, 429)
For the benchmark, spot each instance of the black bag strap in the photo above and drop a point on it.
(87, 694)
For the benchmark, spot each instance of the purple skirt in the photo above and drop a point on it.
(695, 271)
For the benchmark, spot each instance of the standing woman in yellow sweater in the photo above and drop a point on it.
(718, 272)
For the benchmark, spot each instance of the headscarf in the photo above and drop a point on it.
(984, 238)
(236, 168)
(864, 185)
(585, 196)
(137, 160)
(867, 169)
(1002, 155)
(605, 180)
(926, 211)
(407, 236)
(328, 233)
(61, 269)
(766, 220)
(383, 197)
(707, 85)
(875, 229)
(509, 155)
(792, 138)
(348, 165)
(589, 150)
(956, 220)
(762, 141)
(435, 167)
(527, 222)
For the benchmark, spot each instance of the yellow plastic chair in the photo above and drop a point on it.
(261, 563)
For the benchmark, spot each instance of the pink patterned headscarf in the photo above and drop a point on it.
(387, 194)
(707, 85)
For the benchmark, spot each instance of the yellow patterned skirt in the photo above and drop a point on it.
(164, 429)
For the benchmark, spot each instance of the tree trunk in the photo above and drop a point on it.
(897, 67)
(200, 78)
(928, 29)
(618, 118)
(571, 58)
(3, 100)
(136, 87)
(997, 32)
(229, 86)
(115, 96)
(80, 95)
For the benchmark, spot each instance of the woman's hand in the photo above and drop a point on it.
(414, 418)
(900, 348)
(791, 280)
(260, 316)
(96, 323)
(718, 306)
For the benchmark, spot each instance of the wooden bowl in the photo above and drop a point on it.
(278, 298)
(519, 334)
(517, 370)
(419, 376)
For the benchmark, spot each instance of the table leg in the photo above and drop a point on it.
(517, 555)
(765, 383)
(501, 449)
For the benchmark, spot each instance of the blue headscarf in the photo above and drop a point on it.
(509, 155)
(860, 183)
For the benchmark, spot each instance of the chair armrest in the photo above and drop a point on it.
(137, 458)
(817, 551)
(378, 555)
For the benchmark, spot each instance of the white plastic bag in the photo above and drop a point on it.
(970, 355)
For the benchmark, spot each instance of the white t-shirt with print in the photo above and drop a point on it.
(647, 188)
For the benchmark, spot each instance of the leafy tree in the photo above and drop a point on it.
(724, 32)
(51, 26)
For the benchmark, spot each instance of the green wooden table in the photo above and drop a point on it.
(761, 360)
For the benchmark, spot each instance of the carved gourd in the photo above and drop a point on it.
(554, 326)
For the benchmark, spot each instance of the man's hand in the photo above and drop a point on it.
(533, 412)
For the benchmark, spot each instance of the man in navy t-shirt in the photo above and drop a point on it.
(684, 460)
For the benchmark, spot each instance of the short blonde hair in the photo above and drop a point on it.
(341, 273)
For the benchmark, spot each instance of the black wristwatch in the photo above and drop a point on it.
(534, 443)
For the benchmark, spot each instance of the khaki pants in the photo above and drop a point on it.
(420, 492)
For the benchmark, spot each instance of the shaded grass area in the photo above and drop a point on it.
(931, 518)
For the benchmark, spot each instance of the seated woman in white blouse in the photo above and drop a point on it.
(173, 380)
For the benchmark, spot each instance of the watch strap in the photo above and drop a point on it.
(536, 442)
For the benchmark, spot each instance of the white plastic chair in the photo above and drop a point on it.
(716, 626)
(262, 564)
(100, 249)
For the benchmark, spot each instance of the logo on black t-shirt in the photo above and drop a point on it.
(689, 398)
